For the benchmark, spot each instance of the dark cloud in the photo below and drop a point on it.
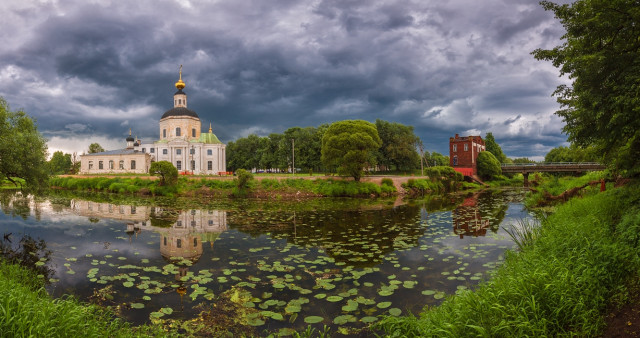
(92, 70)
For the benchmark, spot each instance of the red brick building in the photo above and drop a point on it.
(463, 153)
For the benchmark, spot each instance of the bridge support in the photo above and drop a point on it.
(526, 179)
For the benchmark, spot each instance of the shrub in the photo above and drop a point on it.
(243, 179)
(167, 172)
(488, 166)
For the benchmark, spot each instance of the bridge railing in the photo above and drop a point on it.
(548, 164)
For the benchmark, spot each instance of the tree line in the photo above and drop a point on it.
(398, 150)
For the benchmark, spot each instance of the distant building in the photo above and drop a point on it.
(463, 153)
(181, 142)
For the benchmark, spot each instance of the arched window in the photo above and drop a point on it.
(455, 160)
(178, 131)
(100, 165)
(193, 132)
(111, 164)
(164, 133)
(133, 164)
(121, 165)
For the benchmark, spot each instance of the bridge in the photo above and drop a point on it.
(555, 167)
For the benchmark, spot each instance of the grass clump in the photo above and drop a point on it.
(584, 255)
(28, 311)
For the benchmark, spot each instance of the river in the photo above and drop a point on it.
(272, 266)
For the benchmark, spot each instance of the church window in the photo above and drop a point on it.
(179, 243)
(209, 165)
(164, 133)
(121, 165)
(164, 151)
(111, 164)
(195, 242)
(90, 165)
(455, 147)
(133, 210)
(179, 165)
(133, 164)
(152, 150)
(178, 151)
(179, 223)
(192, 151)
(466, 147)
(144, 150)
(210, 222)
(100, 165)
(193, 165)
(121, 209)
(193, 132)
(209, 152)
(178, 131)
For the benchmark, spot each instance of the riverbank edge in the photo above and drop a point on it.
(583, 262)
(29, 311)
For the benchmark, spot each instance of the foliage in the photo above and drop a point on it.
(441, 179)
(572, 154)
(488, 166)
(600, 55)
(60, 163)
(556, 185)
(23, 151)
(349, 146)
(493, 147)
(398, 146)
(95, 148)
(28, 311)
(557, 287)
(436, 159)
(522, 160)
(243, 179)
(167, 172)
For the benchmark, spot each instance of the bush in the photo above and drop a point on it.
(167, 172)
(243, 179)
(488, 166)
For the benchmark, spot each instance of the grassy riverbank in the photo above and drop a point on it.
(569, 271)
(28, 311)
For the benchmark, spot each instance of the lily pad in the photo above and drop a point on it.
(313, 319)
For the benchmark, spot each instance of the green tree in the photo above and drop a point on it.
(522, 160)
(60, 163)
(488, 166)
(600, 55)
(398, 146)
(95, 148)
(23, 151)
(493, 147)
(166, 171)
(348, 145)
(436, 159)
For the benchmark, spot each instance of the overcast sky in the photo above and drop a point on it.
(90, 70)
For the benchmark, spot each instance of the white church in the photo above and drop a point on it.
(181, 142)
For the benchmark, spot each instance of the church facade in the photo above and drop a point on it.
(181, 142)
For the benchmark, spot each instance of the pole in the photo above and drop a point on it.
(293, 156)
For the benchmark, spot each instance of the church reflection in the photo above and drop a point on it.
(183, 233)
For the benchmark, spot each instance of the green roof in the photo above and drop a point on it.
(208, 138)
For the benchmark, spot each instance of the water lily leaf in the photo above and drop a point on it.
(383, 305)
(395, 311)
(368, 319)
(127, 284)
(334, 298)
(313, 319)
(166, 310)
(137, 306)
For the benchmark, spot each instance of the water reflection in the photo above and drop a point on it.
(473, 217)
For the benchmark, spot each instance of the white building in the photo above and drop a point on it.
(181, 142)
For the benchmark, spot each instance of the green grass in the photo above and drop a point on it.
(582, 257)
(28, 311)
(556, 185)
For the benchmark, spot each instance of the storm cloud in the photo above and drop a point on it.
(90, 70)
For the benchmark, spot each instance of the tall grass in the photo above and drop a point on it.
(28, 311)
(583, 256)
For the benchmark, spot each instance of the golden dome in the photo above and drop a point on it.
(180, 84)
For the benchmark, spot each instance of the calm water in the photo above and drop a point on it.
(270, 265)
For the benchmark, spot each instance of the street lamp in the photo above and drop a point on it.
(293, 156)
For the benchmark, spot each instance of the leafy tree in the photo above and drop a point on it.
(348, 145)
(493, 147)
(488, 166)
(600, 55)
(23, 151)
(243, 178)
(436, 159)
(572, 153)
(95, 148)
(166, 171)
(60, 163)
(522, 160)
(398, 145)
